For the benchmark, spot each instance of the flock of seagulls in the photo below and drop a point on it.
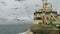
(16, 8)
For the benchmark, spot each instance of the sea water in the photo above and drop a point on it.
(14, 28)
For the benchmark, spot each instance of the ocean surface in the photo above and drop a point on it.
(14, 28)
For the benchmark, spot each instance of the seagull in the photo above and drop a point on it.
(3, 2)
(16, 8)
(26, 7)
(19, 0)
(36, 5)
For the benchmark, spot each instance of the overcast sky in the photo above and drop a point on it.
(23, 8)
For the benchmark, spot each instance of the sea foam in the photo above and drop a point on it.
(22, 33)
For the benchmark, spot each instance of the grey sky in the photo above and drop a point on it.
(23, 9)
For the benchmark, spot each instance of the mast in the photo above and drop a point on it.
(44, 2)
(46, 5)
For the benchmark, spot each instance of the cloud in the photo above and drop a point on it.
(15, 9)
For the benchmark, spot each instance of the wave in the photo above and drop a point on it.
(22, 33)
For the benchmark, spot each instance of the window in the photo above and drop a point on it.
(38, 18)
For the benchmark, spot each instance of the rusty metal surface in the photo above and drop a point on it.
(45, 29)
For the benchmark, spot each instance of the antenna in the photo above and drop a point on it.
(44, 0)
(46, 4)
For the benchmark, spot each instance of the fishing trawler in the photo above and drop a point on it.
(46, 20)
